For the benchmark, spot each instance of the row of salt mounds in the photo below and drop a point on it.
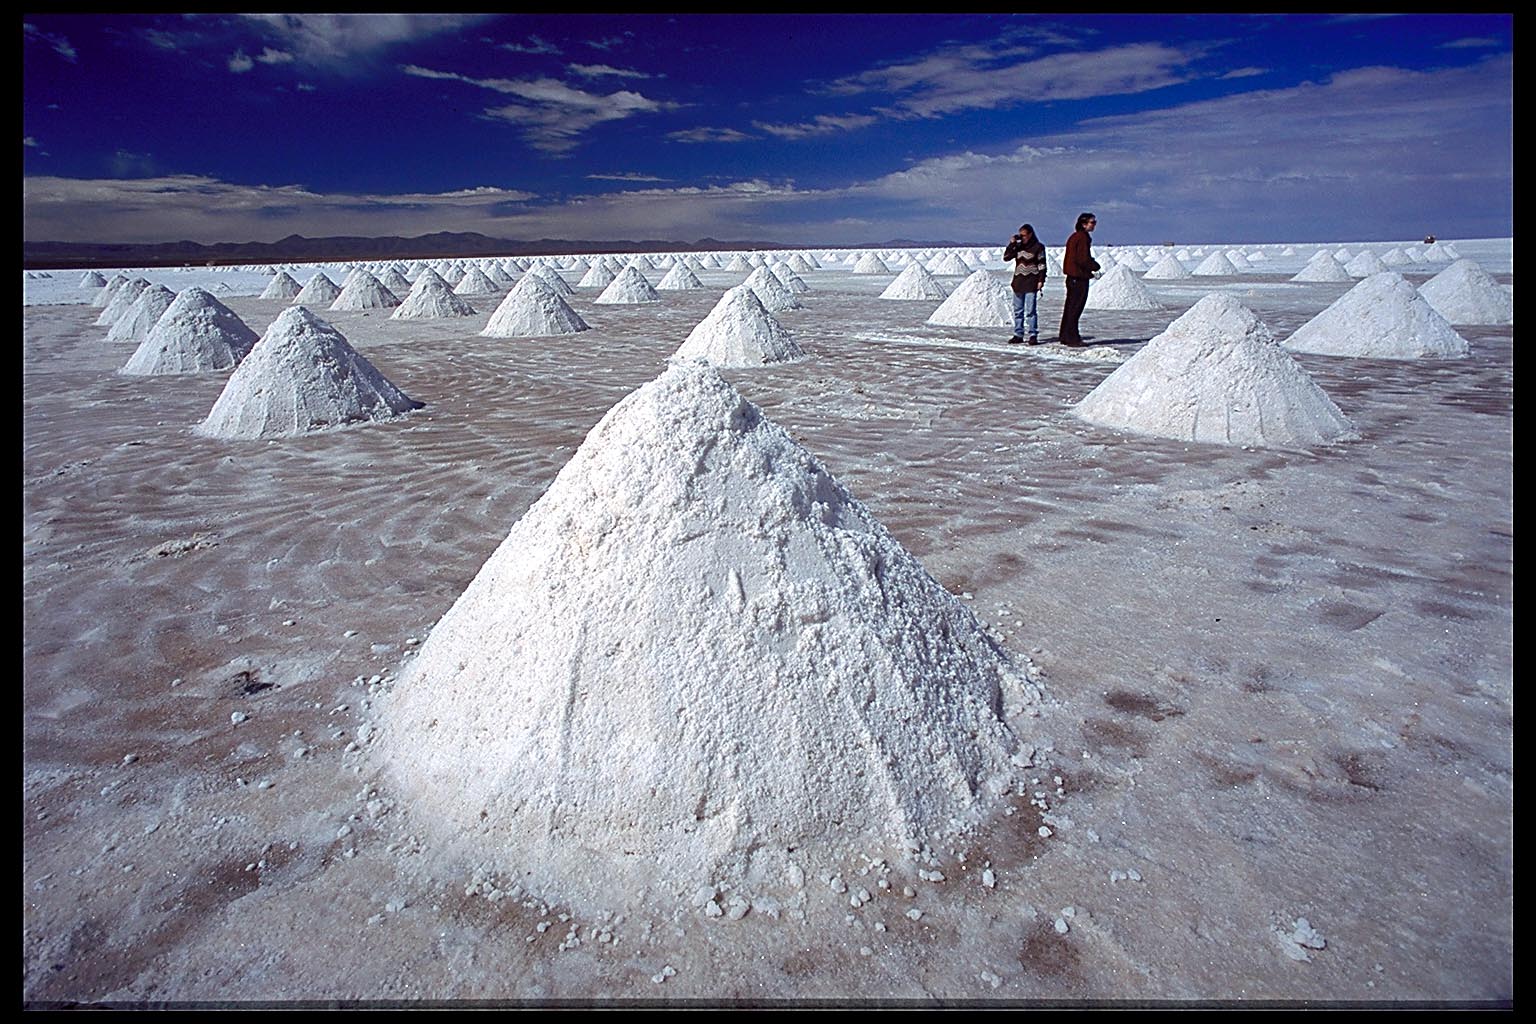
(1120, 288)
(122, 300)
(364, 291)
(1322, 266)
(1166, 269)
(698, 659)
(91, 279)
(629, 288)
(869, 263)
(789, 279)
(196, 334)
(1216, 375)
(282, 286)
(1364, 265)
(1215, 265)
(981, 300)
(300, 377)
(1465, 293)
(429, 299)
(533, 309)
(140, 318)
(915, 282)
(680, 278)
(600, 276)
(318, 290)
(475, 282)
(948, 264)
(1382, 317)
(771, 292)
(739, 331)
(101, 298)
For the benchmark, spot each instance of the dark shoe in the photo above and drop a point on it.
(1074, 343)
(1015, 340)
(1034, 339)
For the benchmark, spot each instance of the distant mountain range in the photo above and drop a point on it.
(298, 249)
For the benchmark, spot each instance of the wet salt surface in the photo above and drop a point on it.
(1282, 680)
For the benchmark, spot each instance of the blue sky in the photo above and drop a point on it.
(801, 129)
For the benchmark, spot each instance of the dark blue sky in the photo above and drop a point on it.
(797, 128)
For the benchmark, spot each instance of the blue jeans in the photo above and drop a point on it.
(1025, 309)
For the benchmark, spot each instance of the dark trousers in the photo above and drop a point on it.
(1077, 297)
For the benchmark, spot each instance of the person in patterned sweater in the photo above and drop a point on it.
(1028, 254)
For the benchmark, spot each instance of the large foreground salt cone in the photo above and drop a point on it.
(533, 309)
(1465, 293)
(1120, 288)
(1216, 375)
(1382, 317)
(300, 377)
(196, 334)
(739, 331)
(697, 659)
(981, 300)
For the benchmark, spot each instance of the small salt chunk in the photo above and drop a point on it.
(738, 910)
(344, 831)
(1061, 926)
(264, 784)
(236, 717)
(1093, 836)
(935, 876)
(838, 885)
(865, 951)
(668, 970)
(541, 927)
(1133, 875)
(712, 909)
(908, 891)
(1045, 832)
(989, 878)
(130, 758)
(915, 914)
(349, 634)
(1116, 875)
(1069, 912)
(703, 895)
(287, 622)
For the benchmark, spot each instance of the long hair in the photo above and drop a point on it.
(1084, 218)
(1027, 227)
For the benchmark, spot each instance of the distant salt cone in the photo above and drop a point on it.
(1215, 265)
(318, 291)
(981, 300)
(196, 334)
(739, 331)
(301, 377)
(789, 279)
(122, 301)
(431, 299)
(1215, 375)
(395, 281)
(598, 276)
(1465, 293)
(680, 278)
(698, 659)
(1322, 267)
(499, 275)
(533, 309)
(629, 288)
(915, 282)
(554, 280)
(91, 279)
(1364, 265)
(869, 263)
(771, 291)
(282, 286)
(799, 264)
(1382, 317)
(739, 263)
(1120, 288)
(475, 282)
(1395, 258)
(135, 324)
(101, 298)
(948, 264)
(364, 291)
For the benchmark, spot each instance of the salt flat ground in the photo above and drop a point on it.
(1281, 682)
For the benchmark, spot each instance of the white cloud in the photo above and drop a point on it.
(240, 63)
(821, 124)
(29, 141)
(1243, 73)
(1471, 42)
(58, 44)
(610, 42)
(271, 56)
(333, 38)
(305, 87)
(629, 176)
(709, 135)
(534, 45)
(600, 70)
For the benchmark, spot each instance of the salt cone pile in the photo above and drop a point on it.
(135, 324)
(1364, 265)
(101, 298)
(1323, 267)
(318, 291)
(915, 282)
(533, 309)
(1166, 269)
(948, 263)
(1395, 258)
(771, 291)
(1215, 265)
(196, 334)
(599, 276)
(475, 282)
(628, 288)
(1120, 288)
(91, 279)
(698, 659)
(680, 278)
(739, 331)
(789, 279)
(302, 376)
(497, 273)
(738, 263)
(981, 300)
(554, 280)
(430, 298)
(1382, 317)
(799, 264)
(869, 263)
(395, 281)
(1216, 375)
(1465, 293)
(364, 291)
(122, 301)
(282, 286)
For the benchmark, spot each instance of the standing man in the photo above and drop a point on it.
(1079, 266)
(1028, 254)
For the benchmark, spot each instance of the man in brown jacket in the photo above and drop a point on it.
(1079, 266)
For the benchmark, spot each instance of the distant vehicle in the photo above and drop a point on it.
(1429, 239)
